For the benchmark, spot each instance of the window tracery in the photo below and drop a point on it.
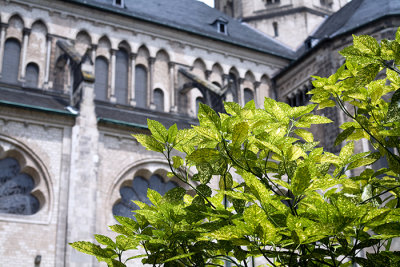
(15, 189)
(138, 191)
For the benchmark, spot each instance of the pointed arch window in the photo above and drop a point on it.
(101, 78)
(32, 75)
(121, 76)
(11, 57)
(15, 189)
(248, 95)
(159, 99)
(138, 191)
(141, 86)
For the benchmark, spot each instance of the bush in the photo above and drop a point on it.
(294, 204)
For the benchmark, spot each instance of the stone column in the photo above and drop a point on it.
(93, 56)
(82, 188)
(113, 99)
(2, 42)
(151, 83)
(26, 33)
(256, 85)
(48, 55)
(225, 80)
(241, 91)
(132, 88)
(173, 107)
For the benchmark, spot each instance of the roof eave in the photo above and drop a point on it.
(181, 29)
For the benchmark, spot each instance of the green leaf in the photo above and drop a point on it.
(343, 135)
(177, 162)
(366, 44)
(302, 110)
(125, 243)
(185, 140)
(157, 130)
(364, 77)
(127, 222)
(92, 249)
(353, 55)
(120, 229)
(137, 256)
(295, 152)
(204, 189)
(346, 151)
(306, 135)
(178, 257)
(301, 180)
(361, 162)
(208, 117)
(149, 142)
(314, 119)
(204, 155)
(207, 132)
(398, 35)
(225, 181)
(172, 132)
(393, 113)
(115, 263)
(276, 110)
(174, 195)
(240, 132)
(232, 108)
(105, 240)
(154, 196)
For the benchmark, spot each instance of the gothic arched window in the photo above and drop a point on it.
(15, 189)
(32, 75)
(248, 95)
(10, 68)
(141, 86)
(138, 191)
(101, 78)
(121, 76)
(158, 99)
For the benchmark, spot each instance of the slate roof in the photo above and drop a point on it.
(194, 17)
(355, 14)
(35, 99)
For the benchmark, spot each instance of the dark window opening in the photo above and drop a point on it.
(121, 76)
(11, 57)
(119, 3)
(275, 25)
(248, 95)
(101, 78)
(222, 28)
(15, 189)
(32, 75)
(159, 99)
(301, 98)
(141, 86)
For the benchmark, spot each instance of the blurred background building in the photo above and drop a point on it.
(78, 77)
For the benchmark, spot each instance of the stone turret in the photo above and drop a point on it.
(288, 21)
